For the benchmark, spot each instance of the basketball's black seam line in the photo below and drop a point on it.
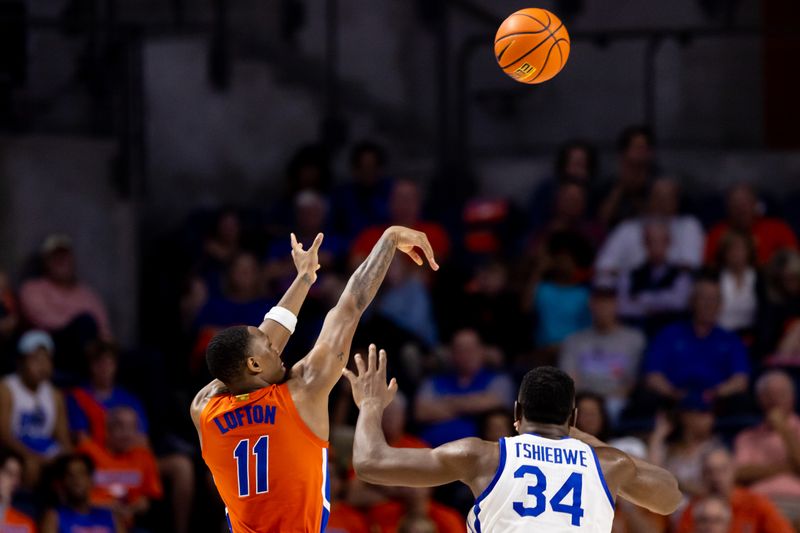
(546, 59)
(519, 33)
(530, 17)
(526, 54)
(503, 51)
(560, 55)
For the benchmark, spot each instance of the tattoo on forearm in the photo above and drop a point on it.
(306, 279)
(340, 356)
(368, 277)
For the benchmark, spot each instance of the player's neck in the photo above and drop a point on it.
(549, 431)
(247, 385)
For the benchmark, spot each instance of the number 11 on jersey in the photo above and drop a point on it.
(242, 455)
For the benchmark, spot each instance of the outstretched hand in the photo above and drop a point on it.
(407, 242)
(370, 383)
(306, 261)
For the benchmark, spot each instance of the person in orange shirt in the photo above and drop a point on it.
(126, 474)
(263, 428)
(769, 234)
(751, 512)
(10, 479)
(405, 209)
(344, 517)
(388, 516)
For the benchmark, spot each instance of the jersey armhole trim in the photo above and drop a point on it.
(291, 408)
(500, 467)
(602, 478)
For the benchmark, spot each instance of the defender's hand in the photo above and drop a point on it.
(409, 239)
(370, 383)
(306, 262)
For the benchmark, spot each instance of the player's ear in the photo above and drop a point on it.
(253, 365)
(517, 412)
(573, 418)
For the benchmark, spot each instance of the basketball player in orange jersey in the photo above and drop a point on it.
(550, 478)
(264, 430)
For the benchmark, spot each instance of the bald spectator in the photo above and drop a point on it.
(770, 234)
(624, 248)
(450, 404)
(712, 514)
(751, 512)
(768, 455)
(61, 304)
(657, 292)
(405, 209)
(698, 357)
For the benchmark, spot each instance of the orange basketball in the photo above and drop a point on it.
(532, 45)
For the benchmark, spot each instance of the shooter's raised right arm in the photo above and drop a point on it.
(322, 367)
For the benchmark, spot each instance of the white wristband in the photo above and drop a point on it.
(282, 316)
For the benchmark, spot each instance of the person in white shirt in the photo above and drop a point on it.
(624, 248)
(739, 282)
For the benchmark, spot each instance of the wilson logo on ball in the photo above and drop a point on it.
(532, 45)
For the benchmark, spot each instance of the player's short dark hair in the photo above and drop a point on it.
(227, 352)
(61, 465)
(627, 136)
(367, 147)
(547, 395)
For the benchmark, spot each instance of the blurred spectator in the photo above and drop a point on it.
(558, 300)
(310, 219)
(739, 282)
(9, 320)
(406, 302)
(344, 518)
(636, 156)
(490, 305)
(88, 407)
(570, 222)
(59, 303)
(364, 201)
(576, 163)
(712, 514)
(751, 512)
(241, 301)
(416, 502)
(698, 357)
(309, 170)
(496, 424)
(33, 417)
(781, 310)
(680, 449)
(75, 513)
(449, 403)
(417, 524)
(770, 235)
(605, 358)
(362, 494)
(405, 209)
(12, 520)
(657, 292)
(624, 248)
(224, 241)
(126, 476)
(592, 415)
(768, 455)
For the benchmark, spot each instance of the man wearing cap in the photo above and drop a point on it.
(33, 416)
(59, 303)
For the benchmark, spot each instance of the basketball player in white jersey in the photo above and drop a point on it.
(547, 479)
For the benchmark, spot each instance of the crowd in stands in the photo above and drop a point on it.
(682, 333)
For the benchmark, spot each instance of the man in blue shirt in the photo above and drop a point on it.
(698, 357)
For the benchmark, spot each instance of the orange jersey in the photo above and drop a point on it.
(16, 522)
(269, 467)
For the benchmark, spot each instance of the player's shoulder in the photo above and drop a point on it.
(203, 396)
(617, 467)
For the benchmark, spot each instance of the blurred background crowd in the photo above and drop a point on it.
(678, 318)
(633, 221)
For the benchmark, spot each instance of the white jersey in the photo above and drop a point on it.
(33, 415)
(546, 486)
